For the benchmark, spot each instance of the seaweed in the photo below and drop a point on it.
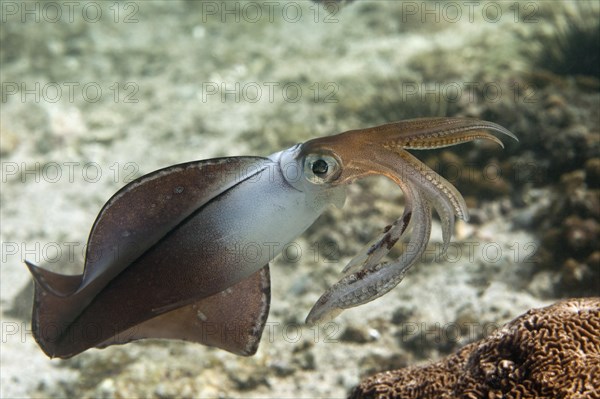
(574, 47)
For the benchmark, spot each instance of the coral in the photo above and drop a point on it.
(570, 231)
(552, 352)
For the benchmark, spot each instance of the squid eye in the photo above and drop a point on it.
(321, 169)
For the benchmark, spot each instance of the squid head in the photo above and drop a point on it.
(184, 252)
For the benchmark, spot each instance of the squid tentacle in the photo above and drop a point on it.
(445, 139)
(378, 279)
(381, 245)
(444, 197)
(382, 150)
(435, 193)
(420, 134)
(436, 188)
(440, 193)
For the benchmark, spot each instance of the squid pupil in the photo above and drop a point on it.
(319, 167)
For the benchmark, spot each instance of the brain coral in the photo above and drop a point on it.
(547, 353)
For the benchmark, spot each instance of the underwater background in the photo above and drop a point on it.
(95, 94)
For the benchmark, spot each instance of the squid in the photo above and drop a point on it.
(184, 252)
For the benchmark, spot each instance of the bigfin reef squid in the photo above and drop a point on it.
(163, 259)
